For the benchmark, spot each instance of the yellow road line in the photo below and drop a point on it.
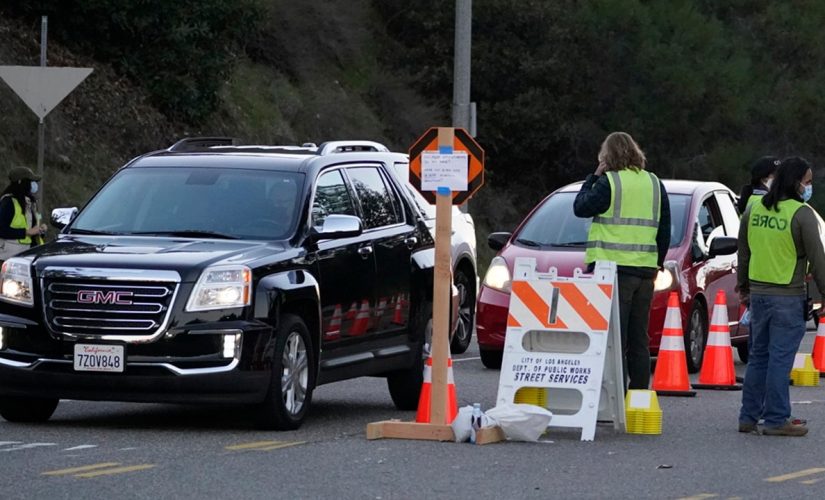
(282, 445)
(263, 445)
(811, 481)
(701, 496)
(79, 469)
(247, 446)
(117, 470)
(795, 475)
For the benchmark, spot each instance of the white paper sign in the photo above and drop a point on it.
(640, 399)
(444, 170)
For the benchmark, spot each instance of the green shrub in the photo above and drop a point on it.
(181, 51)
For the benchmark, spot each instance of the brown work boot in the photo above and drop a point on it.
(748, 427)
(786, 429)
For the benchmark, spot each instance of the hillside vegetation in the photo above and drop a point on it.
(296, 72)
(704, 86)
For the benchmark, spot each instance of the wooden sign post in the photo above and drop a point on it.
(446, 167)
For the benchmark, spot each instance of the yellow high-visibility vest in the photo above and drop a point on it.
(626, 232)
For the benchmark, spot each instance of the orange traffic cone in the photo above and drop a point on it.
(362, 319)
(398, 316)
(818, 353)
(423, 414)
(334, 330)
(671, 376)
(717, 364)
(352, 312)
(379, 312)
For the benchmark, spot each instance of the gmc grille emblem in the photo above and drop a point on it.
(99, 297)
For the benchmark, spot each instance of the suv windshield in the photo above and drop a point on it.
(196, 202)
(554, 225)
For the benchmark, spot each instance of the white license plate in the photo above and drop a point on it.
(98, 358)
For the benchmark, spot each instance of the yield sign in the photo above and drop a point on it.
(42, 87)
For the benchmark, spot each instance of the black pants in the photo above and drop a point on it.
(635, 296)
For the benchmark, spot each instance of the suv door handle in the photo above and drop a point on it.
(365, 251)
(410, 242)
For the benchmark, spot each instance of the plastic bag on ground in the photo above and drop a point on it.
(462, 424)
(520, 422)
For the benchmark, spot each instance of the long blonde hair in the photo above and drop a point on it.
(619, 151)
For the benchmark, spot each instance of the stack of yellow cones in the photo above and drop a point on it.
(643, 414)
(803, 372)
(536, 396)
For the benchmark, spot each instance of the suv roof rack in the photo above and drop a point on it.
(227, 144)
(188, 144)
(257, 148)
(332, 147)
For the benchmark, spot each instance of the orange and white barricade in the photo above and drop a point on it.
(563, 338)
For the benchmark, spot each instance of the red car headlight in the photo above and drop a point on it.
(498, 275)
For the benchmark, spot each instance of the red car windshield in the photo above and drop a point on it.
(554, 225)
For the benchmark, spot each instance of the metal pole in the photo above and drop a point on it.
(461, 63)
(461, 69)
(41, 127)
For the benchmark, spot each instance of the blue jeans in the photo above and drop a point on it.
(777, 328)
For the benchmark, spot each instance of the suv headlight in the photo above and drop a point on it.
(16, 282)
(498, 275)
(221, 287)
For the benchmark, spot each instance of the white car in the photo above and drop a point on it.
(463, 241)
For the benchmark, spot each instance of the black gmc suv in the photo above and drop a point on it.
(226, 274)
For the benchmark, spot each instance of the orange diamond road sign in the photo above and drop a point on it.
(438, 159)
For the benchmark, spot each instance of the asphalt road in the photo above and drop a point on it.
(115, 450)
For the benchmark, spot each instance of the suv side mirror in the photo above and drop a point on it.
(496, 241)
(338, 226)
(723, 245)
(61, 217)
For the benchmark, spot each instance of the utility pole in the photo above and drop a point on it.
(463, 115)
(463, 109)
(41, 127)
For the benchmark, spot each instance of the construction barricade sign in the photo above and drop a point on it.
(562, 349)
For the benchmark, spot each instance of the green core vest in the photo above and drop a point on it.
(626, 232)
(753, 199)
(773, 253)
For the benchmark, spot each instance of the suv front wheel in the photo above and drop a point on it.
(290, 390)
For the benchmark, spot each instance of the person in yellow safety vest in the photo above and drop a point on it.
(631, 227)
(762, 172)
(20, 225)
(778, 238)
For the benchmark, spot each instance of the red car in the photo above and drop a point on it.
(701, 260)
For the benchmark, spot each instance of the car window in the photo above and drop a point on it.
(730, 215)
(239, 203)
(554, 225)
(331, 197)
(679, 210)
(710, 220)
(379, 204)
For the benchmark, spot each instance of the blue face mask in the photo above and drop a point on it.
(807, 192)
(34, 187)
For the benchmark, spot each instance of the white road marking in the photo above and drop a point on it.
(28, 446)
(465, 359)
(81, 447)
(4, 443)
